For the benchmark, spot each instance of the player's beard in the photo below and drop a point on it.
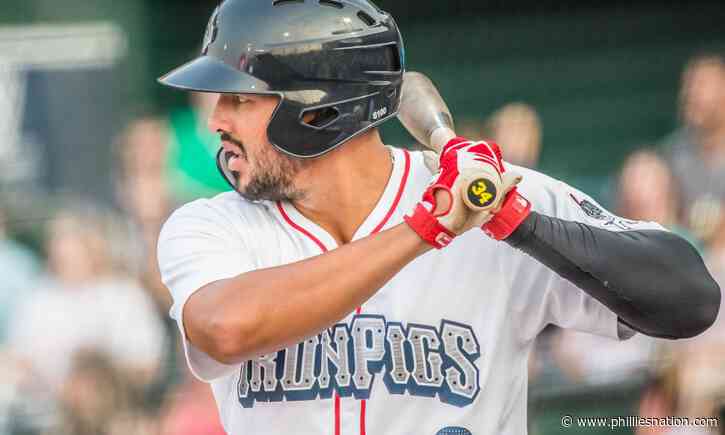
(272, 179)
(271, 175)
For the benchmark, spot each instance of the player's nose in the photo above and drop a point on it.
(219, 118)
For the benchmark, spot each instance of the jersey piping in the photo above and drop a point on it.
(401, 171)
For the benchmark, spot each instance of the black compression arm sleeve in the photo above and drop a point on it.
(655, 281)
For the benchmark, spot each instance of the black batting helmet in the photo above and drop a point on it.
(340, 59)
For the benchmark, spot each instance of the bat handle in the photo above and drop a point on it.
(440, 137)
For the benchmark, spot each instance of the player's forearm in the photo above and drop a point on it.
(653, 280)
(268, 309)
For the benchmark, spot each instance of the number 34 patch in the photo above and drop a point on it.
(482, 192)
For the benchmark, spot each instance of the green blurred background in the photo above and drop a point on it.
(603, 75)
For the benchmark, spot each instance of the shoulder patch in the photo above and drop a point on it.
(590, 209)
(594, 211)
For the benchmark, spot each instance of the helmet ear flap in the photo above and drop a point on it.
(293, 124)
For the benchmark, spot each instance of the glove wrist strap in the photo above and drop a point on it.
(428, 228)
(514, 210)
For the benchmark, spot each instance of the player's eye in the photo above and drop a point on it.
(241, 99)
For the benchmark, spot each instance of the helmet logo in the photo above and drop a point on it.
(212, 29)
(380, 113)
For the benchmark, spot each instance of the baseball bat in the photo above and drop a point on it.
(425, 115)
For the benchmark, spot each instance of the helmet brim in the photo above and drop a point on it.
(208, 74)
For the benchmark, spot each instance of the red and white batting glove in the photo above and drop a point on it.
(472, 176)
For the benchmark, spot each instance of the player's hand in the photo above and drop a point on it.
(453, 202)
(510, 210)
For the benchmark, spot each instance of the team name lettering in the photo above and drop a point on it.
(419, 360)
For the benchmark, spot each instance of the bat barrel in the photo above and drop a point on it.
(424, 113)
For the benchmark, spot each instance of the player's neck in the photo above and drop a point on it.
(343, 187)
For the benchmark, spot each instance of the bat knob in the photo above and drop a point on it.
(480, 192)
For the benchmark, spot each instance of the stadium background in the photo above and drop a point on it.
(80, 113)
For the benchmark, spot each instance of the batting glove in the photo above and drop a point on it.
(472, 178)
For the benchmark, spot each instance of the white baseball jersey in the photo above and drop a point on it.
(442, 348)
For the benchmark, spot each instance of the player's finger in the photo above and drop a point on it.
(509, 180)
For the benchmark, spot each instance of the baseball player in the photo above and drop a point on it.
(341, 288)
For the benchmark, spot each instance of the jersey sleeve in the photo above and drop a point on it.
(541, 296)
(196, 247)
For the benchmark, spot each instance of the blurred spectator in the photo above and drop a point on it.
(658, 400)
(516, 127)
(700, 362)
(191, 411)
(93, 393)
(696, 152)
(96, 400)
(700, 377)
(20, 269)
(689, 381)
(85, 303)
(192, 151)
(143, 192)
(142, 187)
(161, 165)
(26, 408)
(647, 191)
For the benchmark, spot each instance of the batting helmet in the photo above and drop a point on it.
(340, 59)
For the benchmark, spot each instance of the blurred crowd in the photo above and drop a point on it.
(679, 183)
(86, 343)
(87, 346)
